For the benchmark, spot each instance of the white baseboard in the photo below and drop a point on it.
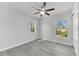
(61, 43)
(21, 43)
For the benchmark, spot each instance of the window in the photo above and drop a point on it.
(62, 28)
(33, 27)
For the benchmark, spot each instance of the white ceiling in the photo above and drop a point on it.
(26, 7)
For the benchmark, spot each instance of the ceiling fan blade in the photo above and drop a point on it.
(50, 9)
(41, 15)
(37, 13)
(36, 9)
(47, 14)
(44, 4)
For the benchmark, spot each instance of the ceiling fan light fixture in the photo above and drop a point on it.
(42, 12)
(43, 9)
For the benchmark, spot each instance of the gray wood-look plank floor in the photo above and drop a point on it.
(40, 48)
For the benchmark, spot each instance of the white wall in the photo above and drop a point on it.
(48, 28)
(75, 28)
(15, 28)
(78, 28)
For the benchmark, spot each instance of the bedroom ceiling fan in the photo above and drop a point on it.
(43, 10)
